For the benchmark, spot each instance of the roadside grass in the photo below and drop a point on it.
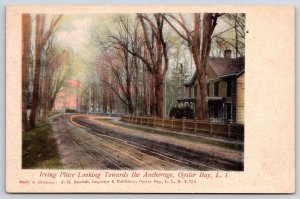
(39, 149)
(54, 112)
(194, 139)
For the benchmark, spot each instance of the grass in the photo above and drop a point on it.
(194, 139)
(39, 149)
(54, 112)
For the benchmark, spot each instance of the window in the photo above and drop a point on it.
(228, 111)
(228, 90)
(210, 107)
(207, 89)
(216, 89)
(216, 110)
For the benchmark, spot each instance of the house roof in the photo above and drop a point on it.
(227, 66)
(223, 67)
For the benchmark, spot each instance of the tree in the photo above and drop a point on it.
(60, 70)
(26, 35)
(155, 48)
(200, 50)
(234, 34)
(41, 38)
(123, 66)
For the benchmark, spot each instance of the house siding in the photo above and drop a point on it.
(224, 105)
(240, 98)
(222, 88)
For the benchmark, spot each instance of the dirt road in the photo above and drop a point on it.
(87, 143)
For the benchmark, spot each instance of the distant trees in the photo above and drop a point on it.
(110, 85)
(174, 85)
(134, 55)
(153, 53)
(59, 72)
(122, 65)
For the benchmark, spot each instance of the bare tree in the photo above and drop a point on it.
(26, 35)
(119, 75)
(41, 38)
(59, 72)
(234, 35)
(123, 65)
(199, 42)
(156, 49)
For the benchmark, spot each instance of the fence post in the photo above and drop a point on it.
(163, 123)
(195, 129)
(229, 130)
(210, 128)
(172, 126)
(183, 125)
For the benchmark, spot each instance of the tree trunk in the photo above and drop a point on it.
(51, 104)
(159, 95)
(104, 98)
(26, 34)
(156, 48)
(207, 31)
(152, 96)
(236, 38)
(145, 93)
(136, 96)
(45, 95)
(128, 92)
(35, 93)
(110, 101)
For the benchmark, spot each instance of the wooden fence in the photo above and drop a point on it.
(234, 131)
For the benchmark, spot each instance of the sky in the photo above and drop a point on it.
(75, 32)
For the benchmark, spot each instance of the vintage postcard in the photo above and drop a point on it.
(150, 99)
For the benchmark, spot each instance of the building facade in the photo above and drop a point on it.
(225, 89)
(68, 98)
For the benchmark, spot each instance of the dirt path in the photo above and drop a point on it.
(216, 150)
(86, 143)
(83, 149)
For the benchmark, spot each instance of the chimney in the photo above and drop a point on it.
(227, 53)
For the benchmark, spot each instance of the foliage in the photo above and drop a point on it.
(185, 112)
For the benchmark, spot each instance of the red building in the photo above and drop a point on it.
(68, 97)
